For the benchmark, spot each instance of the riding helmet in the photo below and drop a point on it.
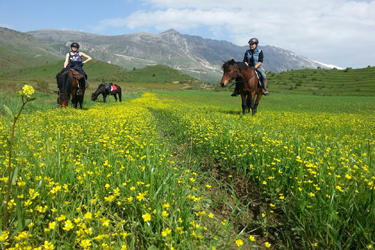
(254, 41)
(74, 45)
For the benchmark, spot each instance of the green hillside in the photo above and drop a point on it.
(358, 82)
(326, 82)
(98, 71)
(19, 50)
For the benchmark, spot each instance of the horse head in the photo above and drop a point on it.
(64, 99)
(64, 82)
(230, 72)
(100, 90)
(94, 97)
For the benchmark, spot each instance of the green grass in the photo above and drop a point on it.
(281, 102)
(298, 175)
(353, 82)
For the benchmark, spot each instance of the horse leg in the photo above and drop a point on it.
(115, 95)
(252, 103)
(74, 101)
(81, 100)
(248, 103)
(243, 98)
(259, 96)
(104, 97)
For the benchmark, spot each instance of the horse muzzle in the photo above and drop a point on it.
(224, 83)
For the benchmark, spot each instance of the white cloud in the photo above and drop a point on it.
(320, 29)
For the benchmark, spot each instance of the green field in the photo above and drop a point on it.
(353, 82)
(172, 169)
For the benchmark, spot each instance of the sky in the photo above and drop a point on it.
(335, 32)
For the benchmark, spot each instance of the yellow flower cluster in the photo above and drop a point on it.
(27, 90)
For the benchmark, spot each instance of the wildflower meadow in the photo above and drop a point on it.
(156, 172)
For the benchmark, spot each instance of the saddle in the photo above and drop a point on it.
(260, 78)
(110, 86)
(76, 74)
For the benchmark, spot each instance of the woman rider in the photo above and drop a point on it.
(73, 60)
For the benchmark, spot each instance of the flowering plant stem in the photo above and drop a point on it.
(25, 99)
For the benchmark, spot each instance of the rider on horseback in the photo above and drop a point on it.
(73, 60)
(254, 59)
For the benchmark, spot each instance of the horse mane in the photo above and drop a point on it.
(226, 64)
(242, 65)
(64, 81)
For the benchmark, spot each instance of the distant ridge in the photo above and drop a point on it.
(193, 55)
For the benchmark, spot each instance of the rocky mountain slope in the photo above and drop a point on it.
(194, 55)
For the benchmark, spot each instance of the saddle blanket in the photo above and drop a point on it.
(113, 87)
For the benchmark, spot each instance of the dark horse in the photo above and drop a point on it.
(69, 87)
(106, 89)
(247, 81)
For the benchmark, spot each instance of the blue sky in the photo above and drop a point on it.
(337, 32)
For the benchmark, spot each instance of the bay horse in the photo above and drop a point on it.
(69, 87)
(106, 89)
(247, 81)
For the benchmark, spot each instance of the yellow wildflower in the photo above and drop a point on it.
(239, 242)
(68, 225)
(146, 217)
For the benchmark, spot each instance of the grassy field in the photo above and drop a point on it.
(185, 170)
(353, 82)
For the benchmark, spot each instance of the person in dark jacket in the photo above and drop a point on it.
(254, 59)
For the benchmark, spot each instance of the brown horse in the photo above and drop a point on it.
(69, 87)
(247, 81)
(106, 89)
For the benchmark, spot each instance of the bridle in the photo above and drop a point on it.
(232, 75)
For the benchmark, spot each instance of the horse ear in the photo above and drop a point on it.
(232, 61)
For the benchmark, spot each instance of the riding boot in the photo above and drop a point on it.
(236, 91)
(264, 90)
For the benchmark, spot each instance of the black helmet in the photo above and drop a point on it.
(254, 41)
(74, 45)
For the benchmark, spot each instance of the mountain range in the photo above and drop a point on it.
(193, 55)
